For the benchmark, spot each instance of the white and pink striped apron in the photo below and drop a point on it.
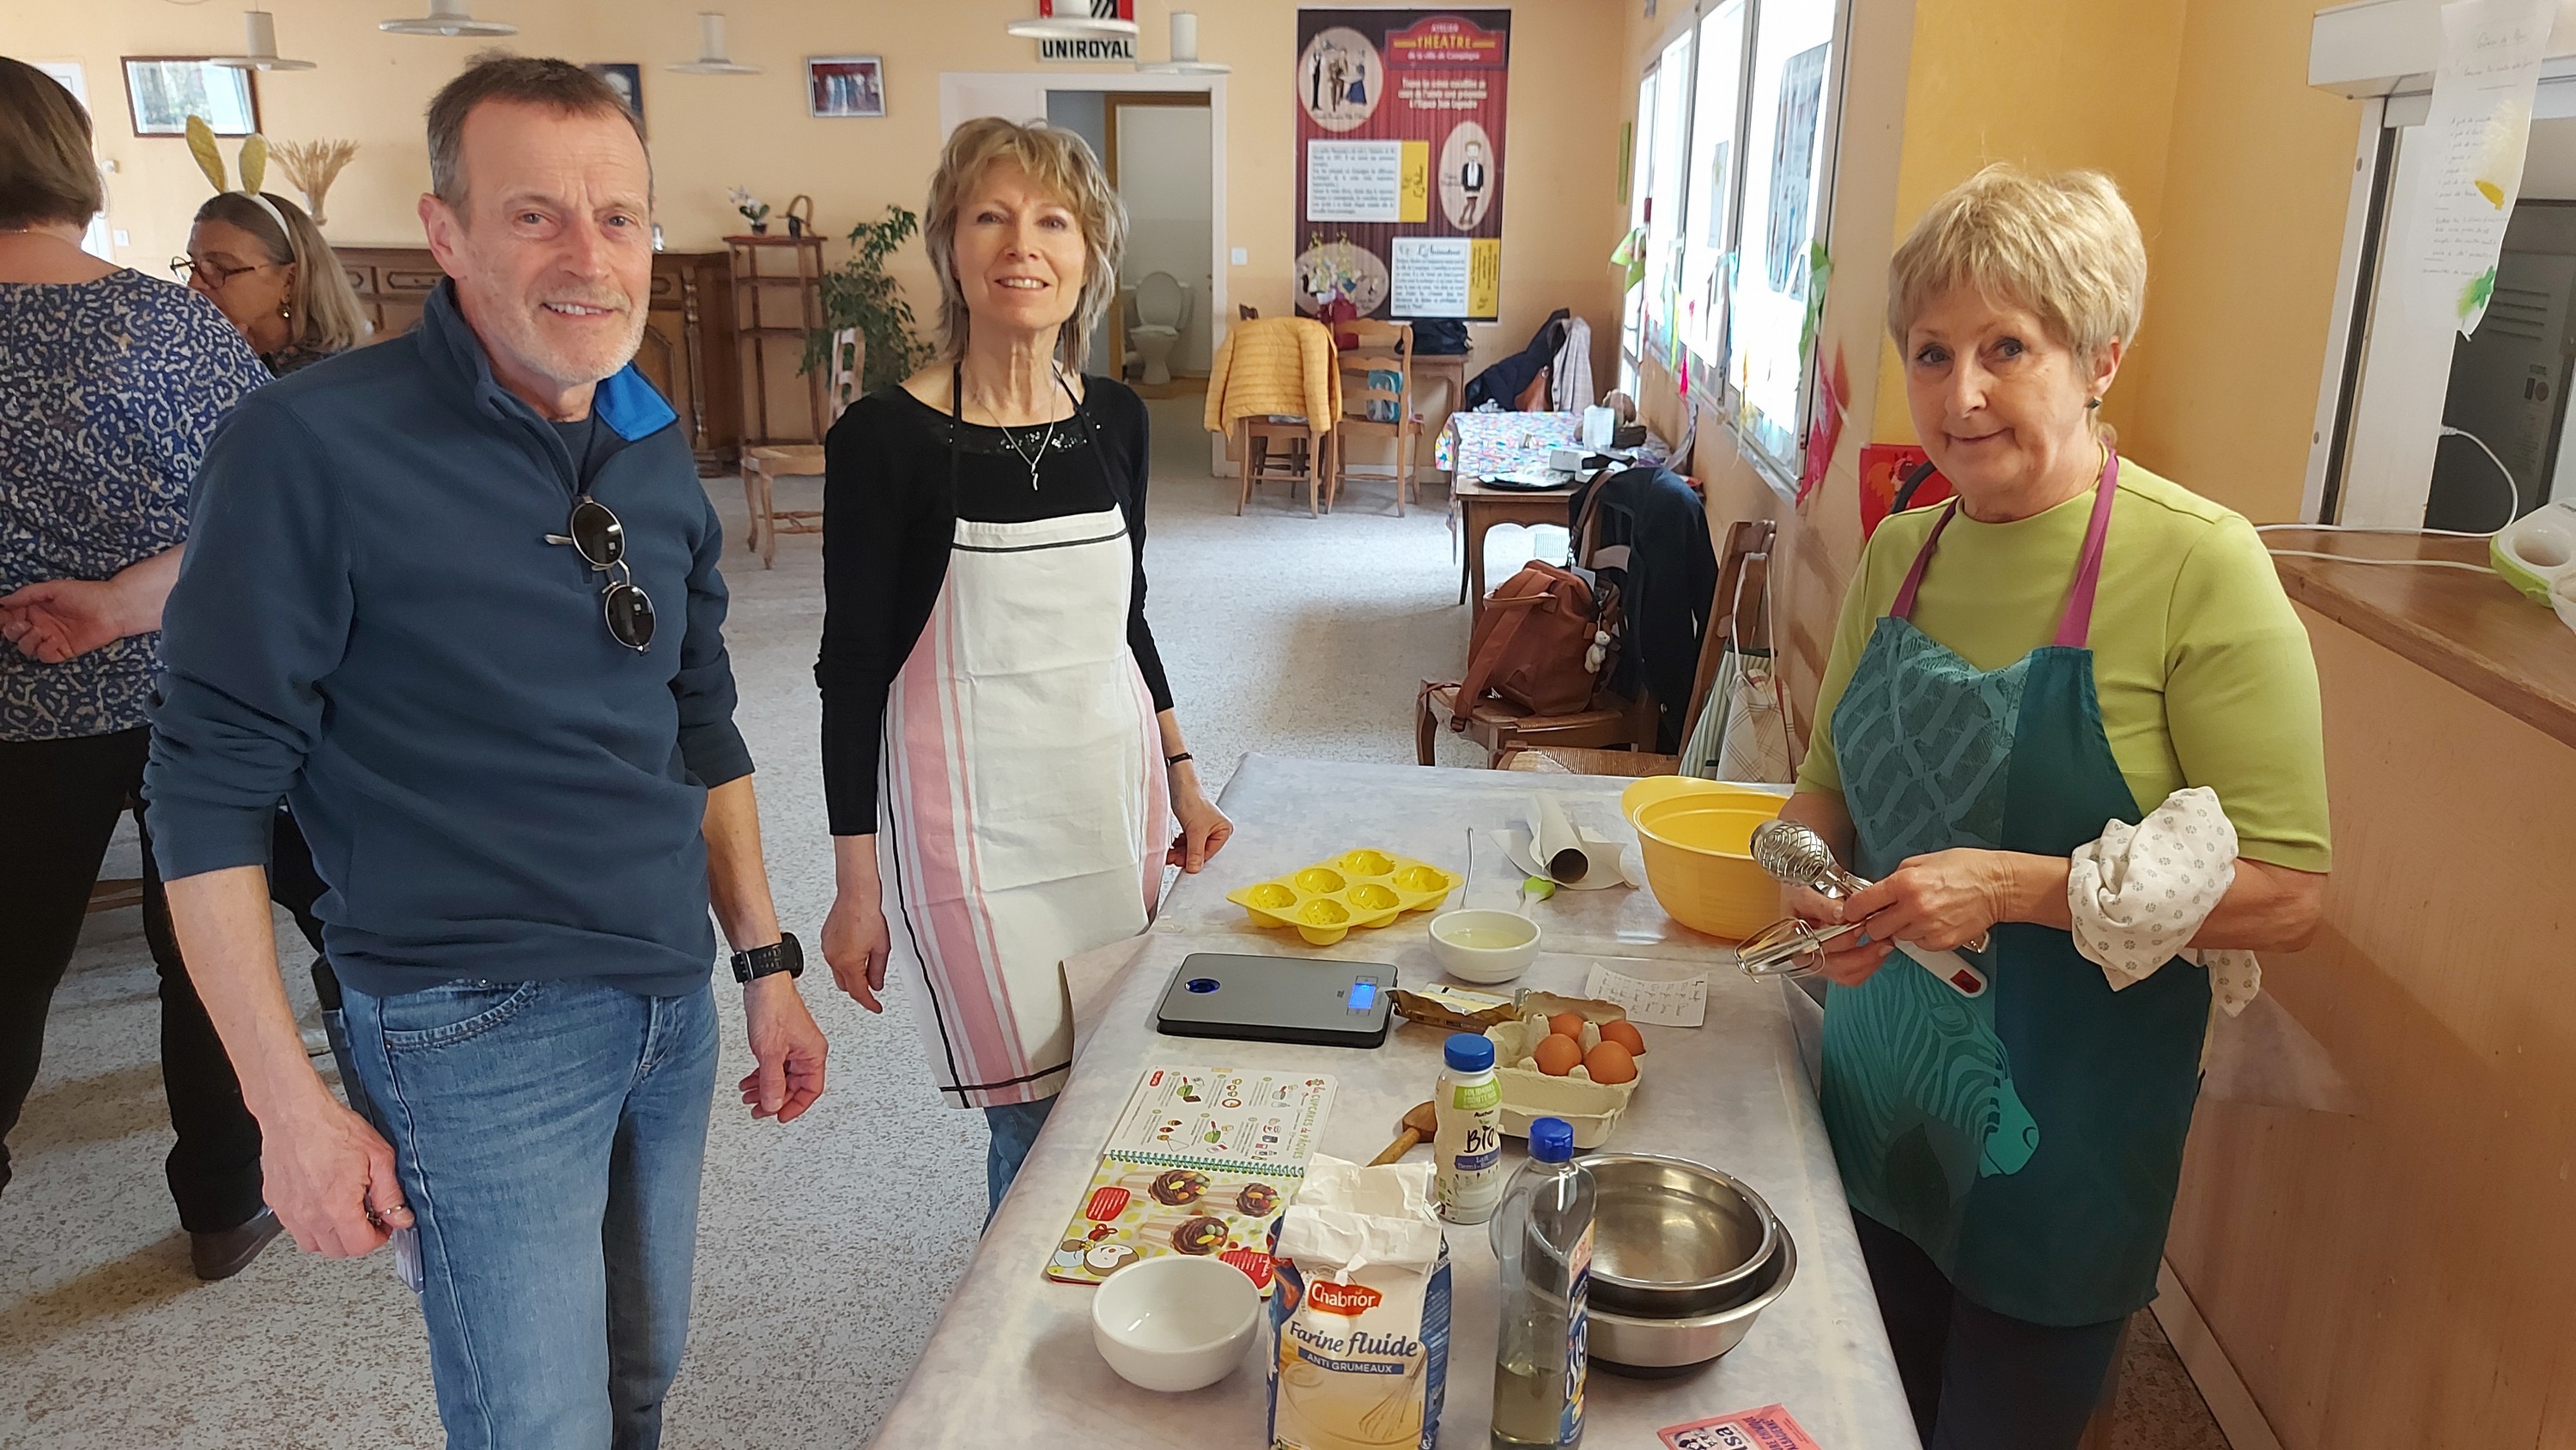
(1024, 810)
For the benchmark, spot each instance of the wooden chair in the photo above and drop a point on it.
(1299, 458)
(1743, 567)
(763, 466)
(1384, 347)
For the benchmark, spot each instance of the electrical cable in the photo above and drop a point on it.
(2513, 486)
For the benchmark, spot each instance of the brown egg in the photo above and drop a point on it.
(1557, 1055)
(1611, 1064)
(1566, 1024)
(1625, 1033)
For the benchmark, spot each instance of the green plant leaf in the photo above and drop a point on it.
(858, 294)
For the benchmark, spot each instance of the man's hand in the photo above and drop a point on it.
(330, 1179)
(61, 619)
(786, 1044)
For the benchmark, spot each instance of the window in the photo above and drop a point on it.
(1786, 150)
(1715, 119)
(1632, 307)
(1664, 198)
(1736, 123)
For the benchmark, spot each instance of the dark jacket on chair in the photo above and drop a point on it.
(1651, 539)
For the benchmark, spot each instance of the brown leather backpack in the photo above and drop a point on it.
(1533, 645)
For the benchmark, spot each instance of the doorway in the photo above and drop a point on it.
(1156, 147)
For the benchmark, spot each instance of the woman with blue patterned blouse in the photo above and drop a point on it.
(111, 383)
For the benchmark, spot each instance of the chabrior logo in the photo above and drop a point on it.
(1351, 1299)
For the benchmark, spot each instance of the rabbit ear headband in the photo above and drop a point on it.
(254, 168)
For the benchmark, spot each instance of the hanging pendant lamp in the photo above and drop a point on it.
(1185, 52)
(448, 18)
(712, 60)
(260, 30)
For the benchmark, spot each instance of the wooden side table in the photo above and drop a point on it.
(1479, 509)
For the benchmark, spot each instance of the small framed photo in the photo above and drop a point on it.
(163, 91)
(627, 79)
(845, 85)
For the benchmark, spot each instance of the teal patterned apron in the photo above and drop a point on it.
(2029, 1139)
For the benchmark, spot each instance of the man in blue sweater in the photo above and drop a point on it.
(455, 598)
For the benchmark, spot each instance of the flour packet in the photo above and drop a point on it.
(1360, 1318)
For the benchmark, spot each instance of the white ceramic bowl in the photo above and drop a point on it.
(1174, 1323)
(1484, 946)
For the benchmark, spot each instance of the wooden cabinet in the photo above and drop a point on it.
(689, 343)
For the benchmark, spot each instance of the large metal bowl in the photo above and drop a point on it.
(1672, 1238)
(1648, 1348)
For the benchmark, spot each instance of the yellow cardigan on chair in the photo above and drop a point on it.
(1275, 365)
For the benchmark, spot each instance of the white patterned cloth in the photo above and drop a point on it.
(2139, 894)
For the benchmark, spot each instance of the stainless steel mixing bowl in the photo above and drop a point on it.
(1649, 1348)
(1672, 1238)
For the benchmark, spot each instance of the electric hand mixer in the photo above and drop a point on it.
(1797, 856)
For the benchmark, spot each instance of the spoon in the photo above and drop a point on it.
(1420, 1122)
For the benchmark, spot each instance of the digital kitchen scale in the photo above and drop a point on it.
(1278, 999)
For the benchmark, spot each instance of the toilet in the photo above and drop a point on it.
(1160, 310)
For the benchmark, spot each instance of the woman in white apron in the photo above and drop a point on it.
(1001, 763)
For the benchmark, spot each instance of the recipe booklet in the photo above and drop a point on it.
(1202, 1161)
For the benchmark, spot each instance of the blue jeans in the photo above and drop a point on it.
(1014, 1128)
(549, 1136)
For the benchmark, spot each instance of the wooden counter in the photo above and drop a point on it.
(2406, 1276)
(2473, 630)
(688, 348)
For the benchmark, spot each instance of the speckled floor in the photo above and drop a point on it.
(826, 1247)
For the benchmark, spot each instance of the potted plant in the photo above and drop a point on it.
(859, 294)
(753, 209)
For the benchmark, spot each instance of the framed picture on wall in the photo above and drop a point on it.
(627, 79)
(845, 85)
(163, 91)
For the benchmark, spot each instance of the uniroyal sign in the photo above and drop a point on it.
(1351, 1299)
(1097, 48)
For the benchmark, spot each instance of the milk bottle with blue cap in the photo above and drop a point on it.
(1467, 1147)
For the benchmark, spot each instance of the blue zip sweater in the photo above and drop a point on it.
(370, 624)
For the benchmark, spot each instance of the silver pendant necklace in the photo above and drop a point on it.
(1031, 457)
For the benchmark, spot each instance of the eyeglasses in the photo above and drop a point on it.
(601, 541)
(207, 272)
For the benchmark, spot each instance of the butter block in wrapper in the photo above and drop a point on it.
(1359, 1354)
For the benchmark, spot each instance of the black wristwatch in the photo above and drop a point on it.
(784, 955)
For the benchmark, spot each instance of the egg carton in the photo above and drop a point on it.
(1356, 889)
(1590, 1108)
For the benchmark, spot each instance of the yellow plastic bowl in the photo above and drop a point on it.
(1699, 859)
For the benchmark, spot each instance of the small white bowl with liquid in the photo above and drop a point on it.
(1484, 946)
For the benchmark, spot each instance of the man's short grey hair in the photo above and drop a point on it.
(497, 75)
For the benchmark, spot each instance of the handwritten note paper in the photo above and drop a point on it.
(2478, 126)
(1679, 1003)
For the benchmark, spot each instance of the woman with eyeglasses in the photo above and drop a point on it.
(997, 728)
(260, 260)
(110, 386)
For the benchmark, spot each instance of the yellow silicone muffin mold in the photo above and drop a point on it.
(1363, 888)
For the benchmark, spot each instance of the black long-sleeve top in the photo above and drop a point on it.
(889, 515)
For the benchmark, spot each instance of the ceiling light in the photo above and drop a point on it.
(1051, 23)
(260, 29)
(1185, 52)
(446, 17)
(712, 60)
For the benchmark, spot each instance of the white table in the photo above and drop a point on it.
(1011, 1360)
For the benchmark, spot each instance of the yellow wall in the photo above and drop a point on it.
(709, 133)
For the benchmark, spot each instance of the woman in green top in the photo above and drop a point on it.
(2066, 643)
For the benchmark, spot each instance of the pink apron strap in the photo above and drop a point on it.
(2077, 626)
(1903, 608)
